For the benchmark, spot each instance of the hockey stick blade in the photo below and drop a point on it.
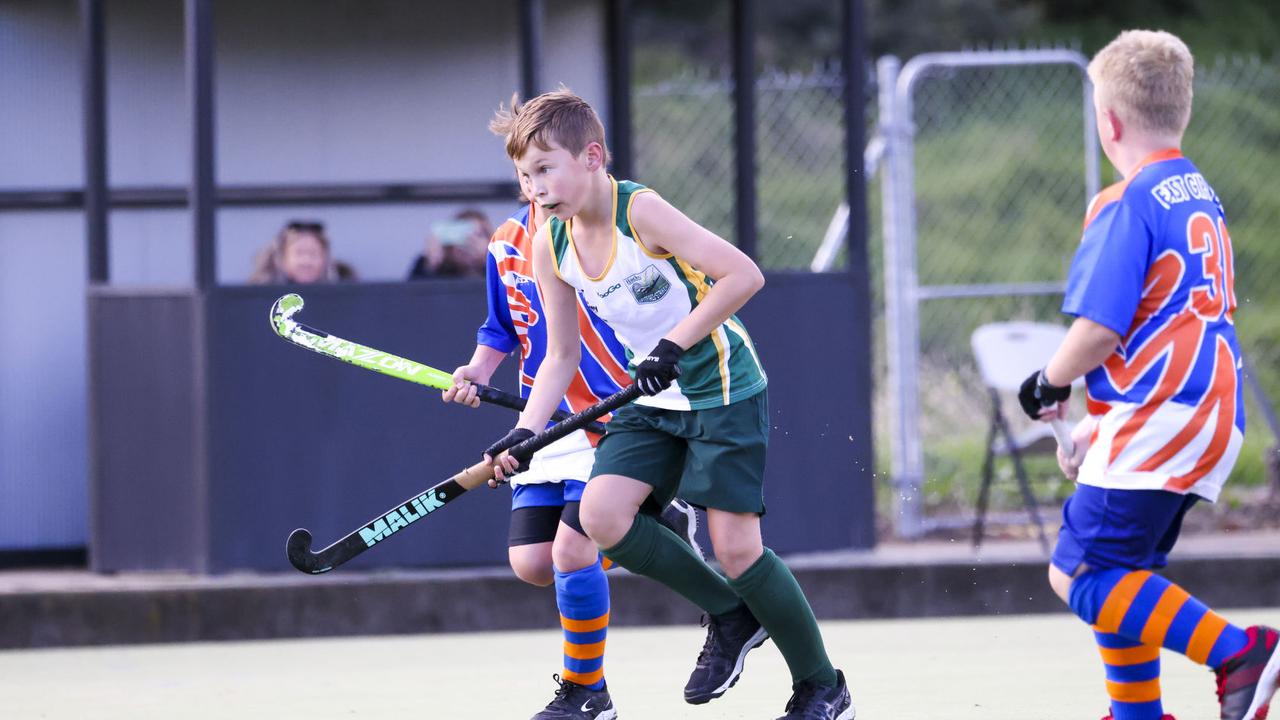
(298, 547)
(282, 321)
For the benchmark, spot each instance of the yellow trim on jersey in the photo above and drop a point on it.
(721, 340)
(735, 326)
(699, 280)
(635, 234)
(551, 248)
(613, 238)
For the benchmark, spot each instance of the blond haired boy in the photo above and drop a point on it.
(1152, 291)
(668, 289)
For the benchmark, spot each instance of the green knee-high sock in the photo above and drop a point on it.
(652, 550)
(777, 601)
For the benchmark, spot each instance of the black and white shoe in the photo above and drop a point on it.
(729, 638)
(682, 519)
(578, 702)
(811, 701)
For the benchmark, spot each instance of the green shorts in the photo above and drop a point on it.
(712, 458)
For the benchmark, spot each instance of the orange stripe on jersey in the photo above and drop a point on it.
(1162, 615)
(1113, 193)
(1108, 195)
(582, 626)
(1134, 692)
(1180, 339)
(1117, 657)
(591, 338)
(580, 397)
(1197, 421)
(1222, 395)
(1096, 407)
(1120, 599)
(1229, 291)
(1162, 280)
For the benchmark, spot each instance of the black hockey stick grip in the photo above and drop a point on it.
(575, 422)
(494, 396)
(298, 547)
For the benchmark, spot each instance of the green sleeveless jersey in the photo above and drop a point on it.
(642, 295)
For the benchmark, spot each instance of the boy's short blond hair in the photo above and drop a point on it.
(559, 116)
(1145, 76)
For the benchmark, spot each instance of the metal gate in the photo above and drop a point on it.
(1005, 145)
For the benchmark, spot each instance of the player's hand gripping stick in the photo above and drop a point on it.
(1036, 395)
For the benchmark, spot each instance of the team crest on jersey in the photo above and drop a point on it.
(648, 286)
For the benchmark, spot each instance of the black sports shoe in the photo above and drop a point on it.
(578, 702)
(729, 638)
(680, 518)
(811, 701)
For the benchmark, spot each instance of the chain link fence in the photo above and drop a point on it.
(1000, 194)
(684, 149)
(1000, 198)
(996, 145)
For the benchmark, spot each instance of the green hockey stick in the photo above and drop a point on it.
(284, 324)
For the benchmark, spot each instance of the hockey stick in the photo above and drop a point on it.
(419, 506)
(1063, 435)
(283, 322)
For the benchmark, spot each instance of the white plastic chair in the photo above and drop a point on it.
(1006, 353)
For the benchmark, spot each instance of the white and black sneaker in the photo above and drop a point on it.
(682, 519)
(729, 638)
(578, 702)
(811, 701)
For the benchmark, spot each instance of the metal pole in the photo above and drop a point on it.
(855, 87)
(531, 14)
(93, 59)
(856, 263)
(1091, 176)
(199, 40)
(744, 124)
(618, 34)
(899, 312)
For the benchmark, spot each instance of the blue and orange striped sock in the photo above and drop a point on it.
(1146, 608)
(583, 599)
(1134, 613)
(1133, 677)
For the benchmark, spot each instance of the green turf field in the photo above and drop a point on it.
(1016, 668)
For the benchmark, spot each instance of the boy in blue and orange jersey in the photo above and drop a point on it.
(546, 543)
(1152, 291)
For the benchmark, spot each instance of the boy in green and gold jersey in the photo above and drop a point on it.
(668, 289)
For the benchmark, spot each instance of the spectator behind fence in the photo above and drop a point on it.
(300, 255)
(455, 248)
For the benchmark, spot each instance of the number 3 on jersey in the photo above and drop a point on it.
(1211, 241)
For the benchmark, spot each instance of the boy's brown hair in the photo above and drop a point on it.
(558, 116)
(1146, 77)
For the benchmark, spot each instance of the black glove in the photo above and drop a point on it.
(1036, 394)
(513, 438)
(655, 373)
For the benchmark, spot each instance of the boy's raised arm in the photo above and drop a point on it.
(661, 228)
